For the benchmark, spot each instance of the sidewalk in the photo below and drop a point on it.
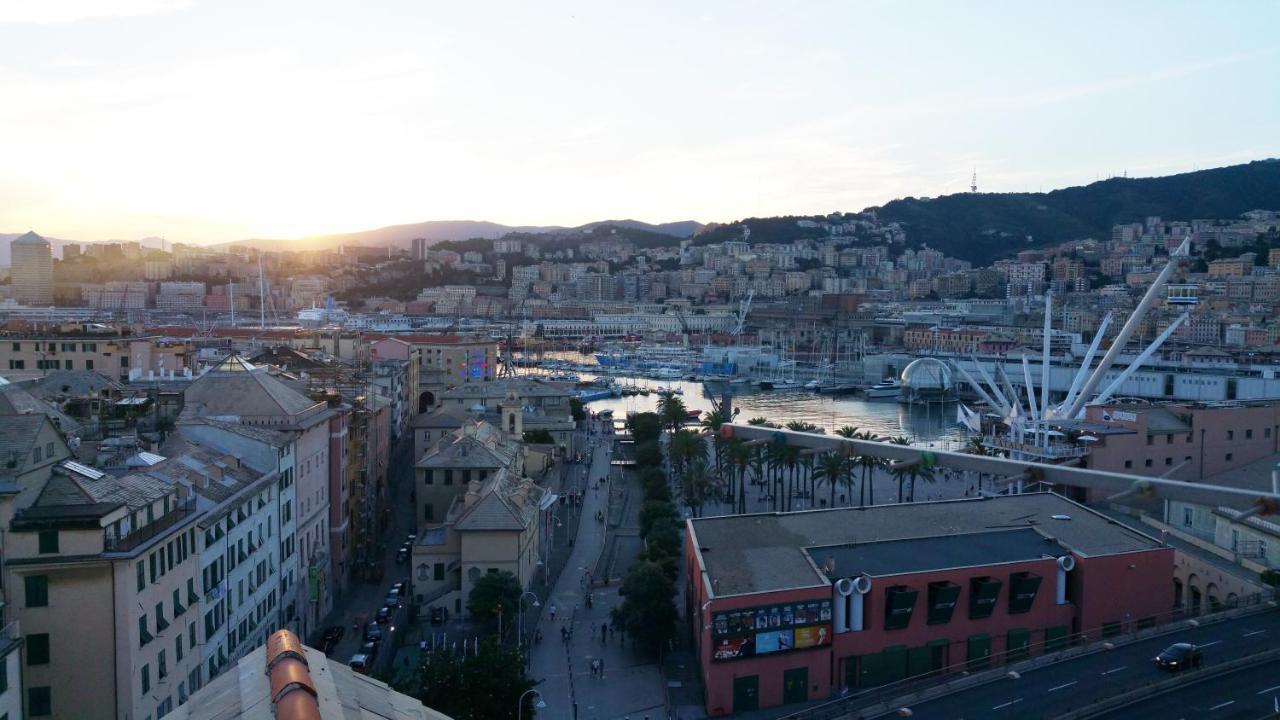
(630, 687)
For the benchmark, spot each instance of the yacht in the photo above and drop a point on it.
(885, 389)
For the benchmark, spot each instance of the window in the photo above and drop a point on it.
(144, 635)
(88, 364)
(177, 647)
(448, 476)
(39, 701)
(1186, 516)
(36, 454)
(1168, 439)
(142, 576)
(1147, 462)
(161, 623)
(1128, 463)
(37, 590)
(1248, 434)
(38, 649)
(1168, 461)
(48, 541)
(1151, 439)
(146, 679)
(439, 571)
(1228, 457)
(163, 666)
(17, 347)
(1231, 434)
(428, 512)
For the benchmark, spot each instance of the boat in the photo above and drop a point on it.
(835, 388)
(889, 388)
(668, 373)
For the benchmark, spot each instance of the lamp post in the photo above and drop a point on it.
(520, 615)
(520, 705)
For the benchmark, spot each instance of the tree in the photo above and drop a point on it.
(644, 426)
(671, 410)
(696, 484)
(648, 612)
(712, 422)
(494, 594)
(538, 437)
(578, 411)
(831, 468)
(652, 512)
(485, 684)
(912, 472)
(869, 464)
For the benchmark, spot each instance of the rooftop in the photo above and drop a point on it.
(897, 557)
(772, 551)
(286, 680)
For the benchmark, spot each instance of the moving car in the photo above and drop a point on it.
(1179, 656)
(360, 663)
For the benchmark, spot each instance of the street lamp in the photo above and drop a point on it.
(520, 615)
(520, 706)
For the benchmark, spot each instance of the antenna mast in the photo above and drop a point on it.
(262, 295)
(973, 184)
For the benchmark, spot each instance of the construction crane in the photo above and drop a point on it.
(744, 308)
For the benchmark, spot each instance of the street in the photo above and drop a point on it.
(1058, 688)
(629, 684)
(1244, 695)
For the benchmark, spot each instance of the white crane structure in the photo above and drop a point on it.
(744, 308)
(1034, 417)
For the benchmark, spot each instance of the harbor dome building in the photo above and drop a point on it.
(927, 380)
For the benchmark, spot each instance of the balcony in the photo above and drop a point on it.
(137, 538)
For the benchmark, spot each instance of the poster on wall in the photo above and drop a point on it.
(813, 636)
(733, 648)
(774, 641)
(746, 632)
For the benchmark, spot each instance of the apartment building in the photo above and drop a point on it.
(102, 571)
(248, 401)
(27, 357)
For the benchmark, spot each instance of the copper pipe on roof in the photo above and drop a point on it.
(293, 693)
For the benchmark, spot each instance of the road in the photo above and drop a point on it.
(363, 599)
(1243, 695)
(1058, 688)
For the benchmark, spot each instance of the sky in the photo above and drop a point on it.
(210, 121)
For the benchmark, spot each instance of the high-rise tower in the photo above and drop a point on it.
(32, 271)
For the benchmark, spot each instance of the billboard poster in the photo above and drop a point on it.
(745, 632)
(733, 648)
(774, 641)
(813, 636)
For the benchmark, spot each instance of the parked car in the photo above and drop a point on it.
(360, 663)
(372, 632)
(332, 636)
(370, 650)
(383, 616)
(1179, 656)
(402, 555)
(393, 599)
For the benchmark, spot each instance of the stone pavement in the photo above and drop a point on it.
(631, 686)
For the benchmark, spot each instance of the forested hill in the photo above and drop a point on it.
(982, 227)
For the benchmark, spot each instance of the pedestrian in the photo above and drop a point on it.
(552, 611)
(595, 668)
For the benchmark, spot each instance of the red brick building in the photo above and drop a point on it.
(789, 607)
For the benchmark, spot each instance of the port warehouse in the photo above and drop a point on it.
(790, 607)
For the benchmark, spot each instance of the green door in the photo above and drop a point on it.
(895, 663)
(979, 651)
(795, 685)
(937, 654)
(1018, 645)
(746, 693)
(918, 661)
(1055, 638)
(851, 679)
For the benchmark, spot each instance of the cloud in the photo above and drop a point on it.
(50, 12)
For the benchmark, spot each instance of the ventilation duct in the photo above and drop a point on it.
(1066, 564)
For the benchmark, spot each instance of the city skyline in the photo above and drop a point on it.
(204, 123)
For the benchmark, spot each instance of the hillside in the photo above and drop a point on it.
(982, 227)
(401, 236)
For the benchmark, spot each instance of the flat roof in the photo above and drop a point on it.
(767, 552)
(896, 557)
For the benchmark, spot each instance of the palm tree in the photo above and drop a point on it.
(831, 468)
(869, 464)
(849, 431)
(671, 410)
(695, 485)
(914, 472)
(686, 447)
(712, 421)
(741, 455)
